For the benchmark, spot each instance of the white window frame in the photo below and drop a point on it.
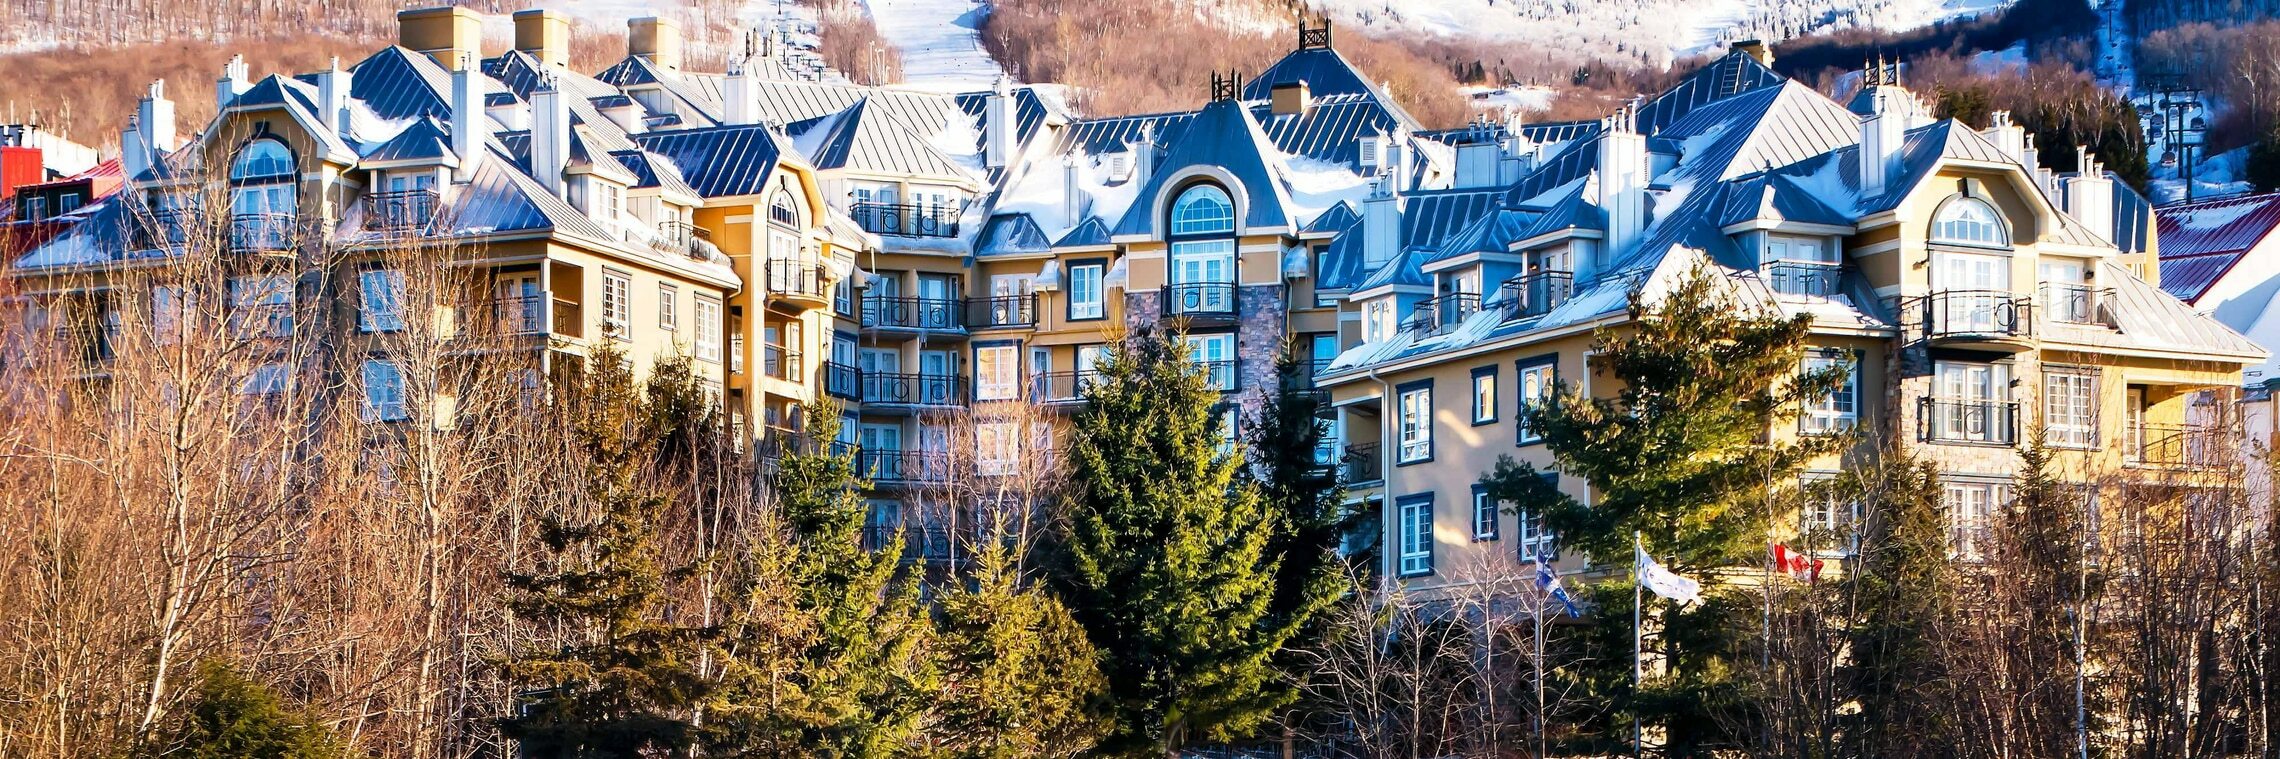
(1484, 397)
(1484, 515)
(708, 329)
(1839, 410)
(668, 307)
(1971, 507)
(997, 448)
(1214, 353)
(271, 296)
(617, 304)
(383, 391)
(1416, 424)
(1536, 541)
(1377, 320)
(2070, 407)
(1958, 222)
(997, 372)
(1415, 536)
(380, 300)
(1085, 291)
(1535, 382)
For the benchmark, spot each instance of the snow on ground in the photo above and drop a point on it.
(2013, 58)
(2217, 176)
(1516, 97)
(941, 42)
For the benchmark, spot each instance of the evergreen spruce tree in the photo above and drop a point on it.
(2041, 576)
(1019, 678)
(232, 717)
(1303, 496)
(1165, 556)
(620, 683)
(847, 675)
(1678, 456)
(1901, 583)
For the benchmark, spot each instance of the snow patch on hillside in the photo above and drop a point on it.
(941, 42)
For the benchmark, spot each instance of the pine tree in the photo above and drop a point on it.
(2041, 578)
(1303, 496)
(1901, 583)
(1019, 678)
(232, 717)
(1678, 457)
(1166, 560)
(620, 683)
(846, 675)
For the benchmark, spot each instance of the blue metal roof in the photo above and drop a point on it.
(1427, 221)
(718, 161)
(1092, 233)
(1732, 74)
(1330, 130)
(398, 83)
(1224, 138)
(423, 140)
(1009, 234)
(1335, 219)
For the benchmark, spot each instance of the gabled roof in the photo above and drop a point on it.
(1011, 234)
(1764, 128)
(423, 140)
(1332, 220)
(865, 139)
(1116, 133)
(1092, 233)
(1732, 74)
(1427, 220)
(1224, 138)
(397, 83)
(655, 171)
(1774, 197)
(1405, 269)
(1327, 75)
(718, 161)
(2201, 242)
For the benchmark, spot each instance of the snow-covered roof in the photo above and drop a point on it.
(2201, 242)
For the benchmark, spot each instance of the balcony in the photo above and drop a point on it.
(1802, 279)
(2073, 303)
(1437, 316)
(1002, 312)
(905, 220)
(1993, 317)
(932, 543)
(681, 238)
(261, 320)
(930, 314)
(889, 466)
(915, 390)
(1968, 422)
(2176, 446)
(1055, 388)
(399, 211)
(1219, 375)
(166, 228)
(842, 381)
(1200, 301)
(536, 315)
(1361, 464)
(782, 363)
(1535, 294)
(798, 283)
(261, 232)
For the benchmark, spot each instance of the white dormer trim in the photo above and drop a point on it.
(1160, 206)
(1469, 259)
(1786, 227)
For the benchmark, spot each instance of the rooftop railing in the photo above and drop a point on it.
(1535, 293)
(905, 219)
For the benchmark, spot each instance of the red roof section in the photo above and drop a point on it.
(2202, 241)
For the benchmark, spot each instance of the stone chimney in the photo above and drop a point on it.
(1881, 133)
(1381, 222)
(655, 38)
(544, 34)
(1624, 171)
(332, 96)
(234, 82)
(1291, 99)
(453, 36)
(998, 125)
(549, 136)
(470, 129)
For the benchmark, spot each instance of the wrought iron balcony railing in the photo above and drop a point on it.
(887, 465)
(1437, 315)
(898, 389)
(1977, 314)
(905, 220)
(1535, 294)
(2072, 303)
(261, 232)
(781, 362)
(798, 278)
(1809, 279)
(399, 210)
(1200, 299)
(2184, 446)
(1060, 387)
(1004, 311)
(1362, 463)
(842, 381)
(1941, 420)
(912, 313)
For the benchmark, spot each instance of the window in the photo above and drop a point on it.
(68, 203)
(170, 308)
(1969, 221)
(36, 208)
(1203, 209)
(1215, 355)
(1085, 301)
(262, 159)
(997, 448)
(1416, 422)
(382, 306)
(1838, 410)
(1484, 514)
(2070, 407)
(383, 391)
(266, 379)
(668, 307)
(261, 306)
(1537, 378)
(1972, 404)
(1799, 265)
(617, 304)
(1230, 429)
(1416, 534)
(610, 201)
(1829, 521)
(2066, 292)
(780, 211)
(1484, 395)
(997, 372)
(708, 330)
(1971, 507)
(1322, 351)
(1377, 320)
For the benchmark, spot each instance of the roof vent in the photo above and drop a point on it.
(1229, 87)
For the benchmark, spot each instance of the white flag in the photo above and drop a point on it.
(1664, 582)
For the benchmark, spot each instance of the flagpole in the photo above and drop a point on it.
(1638, 651)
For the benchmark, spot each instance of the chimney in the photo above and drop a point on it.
(134, 154)
(1291, 99)
(1072, 190)
(655, 38)
(470, 131)
(1881, 133)
(2008, 136)
(233, 83)
(549, 136)
(2090, 194)
(19, 166)
(332, 96)
(1756, 49)
(1381, 222)
(155, 114)
(453, 36)
(997, 125)
(1397, 161)
(1143, 150)
(1519, 151)
(741, 93)
(513, 115)
(1623, 176)
(544, 34)
(624, 112)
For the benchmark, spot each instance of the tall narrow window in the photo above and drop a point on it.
(1484, 395)
(1085, 297)
(1484, 514)
(708, 330)
(1202, 238)
(261, 306)
(997, 373)
(1536, 379)
(1215, 355)
(668, 307)
(1970, 507)
(382, 300)
(1416, 407)
(1416, 534)
(617, 304)
(2070, 407)
(383, 391)
(1839, 409)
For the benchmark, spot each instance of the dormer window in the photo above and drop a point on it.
(1969, 221)
(1799, 265)
(781, 211)
(611, 197)
(1202, 236)
(263, 198)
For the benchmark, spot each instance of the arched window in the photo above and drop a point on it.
(1969, 221)
(263, 159)
(1203, 209)
(781, 211)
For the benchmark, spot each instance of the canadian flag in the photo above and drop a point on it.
(1797, 565)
